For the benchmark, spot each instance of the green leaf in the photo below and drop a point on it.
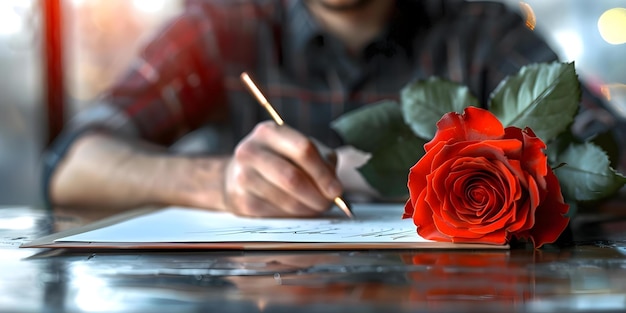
(559, 144)
(387, 170)
(542, 96)
(586, 174)
(380, 130)
(368, 126)
(607, 141)
(425, 102)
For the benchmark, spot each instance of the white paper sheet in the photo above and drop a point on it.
(374, 223)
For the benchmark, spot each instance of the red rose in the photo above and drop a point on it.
(481, 183)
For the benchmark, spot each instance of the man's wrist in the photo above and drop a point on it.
(198, 182)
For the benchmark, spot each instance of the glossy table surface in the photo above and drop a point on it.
(584, 274)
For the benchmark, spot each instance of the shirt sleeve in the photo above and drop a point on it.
(173, 86)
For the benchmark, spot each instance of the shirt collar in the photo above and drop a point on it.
(302, 27)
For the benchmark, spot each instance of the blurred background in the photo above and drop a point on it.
(98, 37)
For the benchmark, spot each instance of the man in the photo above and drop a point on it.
(315, 59)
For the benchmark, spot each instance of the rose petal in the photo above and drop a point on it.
(445, 228)
(473, 124)
(416, 181)
(498, 237)
(525, 218)
(503, 150)
(533, 156)
(550, 220)
(436, 186)
(423, 219)
(408, 209)
(487, 176)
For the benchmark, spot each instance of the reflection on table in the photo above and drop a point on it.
(588, 274)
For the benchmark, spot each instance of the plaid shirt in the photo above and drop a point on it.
(188, 76)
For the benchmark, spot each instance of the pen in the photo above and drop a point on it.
(276, 117)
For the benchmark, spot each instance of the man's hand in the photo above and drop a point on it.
(277, 171)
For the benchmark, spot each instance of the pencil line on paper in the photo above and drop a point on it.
(390, 233)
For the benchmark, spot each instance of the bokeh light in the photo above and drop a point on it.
(615, 93)
(571, 44)
(10, 20)
(149, 6)
(612, 26)
(529, 15)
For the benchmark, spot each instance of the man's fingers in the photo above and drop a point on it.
(278, 178)
(303, 153)
(328, 154)
(251, 204)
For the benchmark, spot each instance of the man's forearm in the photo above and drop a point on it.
(105, 172)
